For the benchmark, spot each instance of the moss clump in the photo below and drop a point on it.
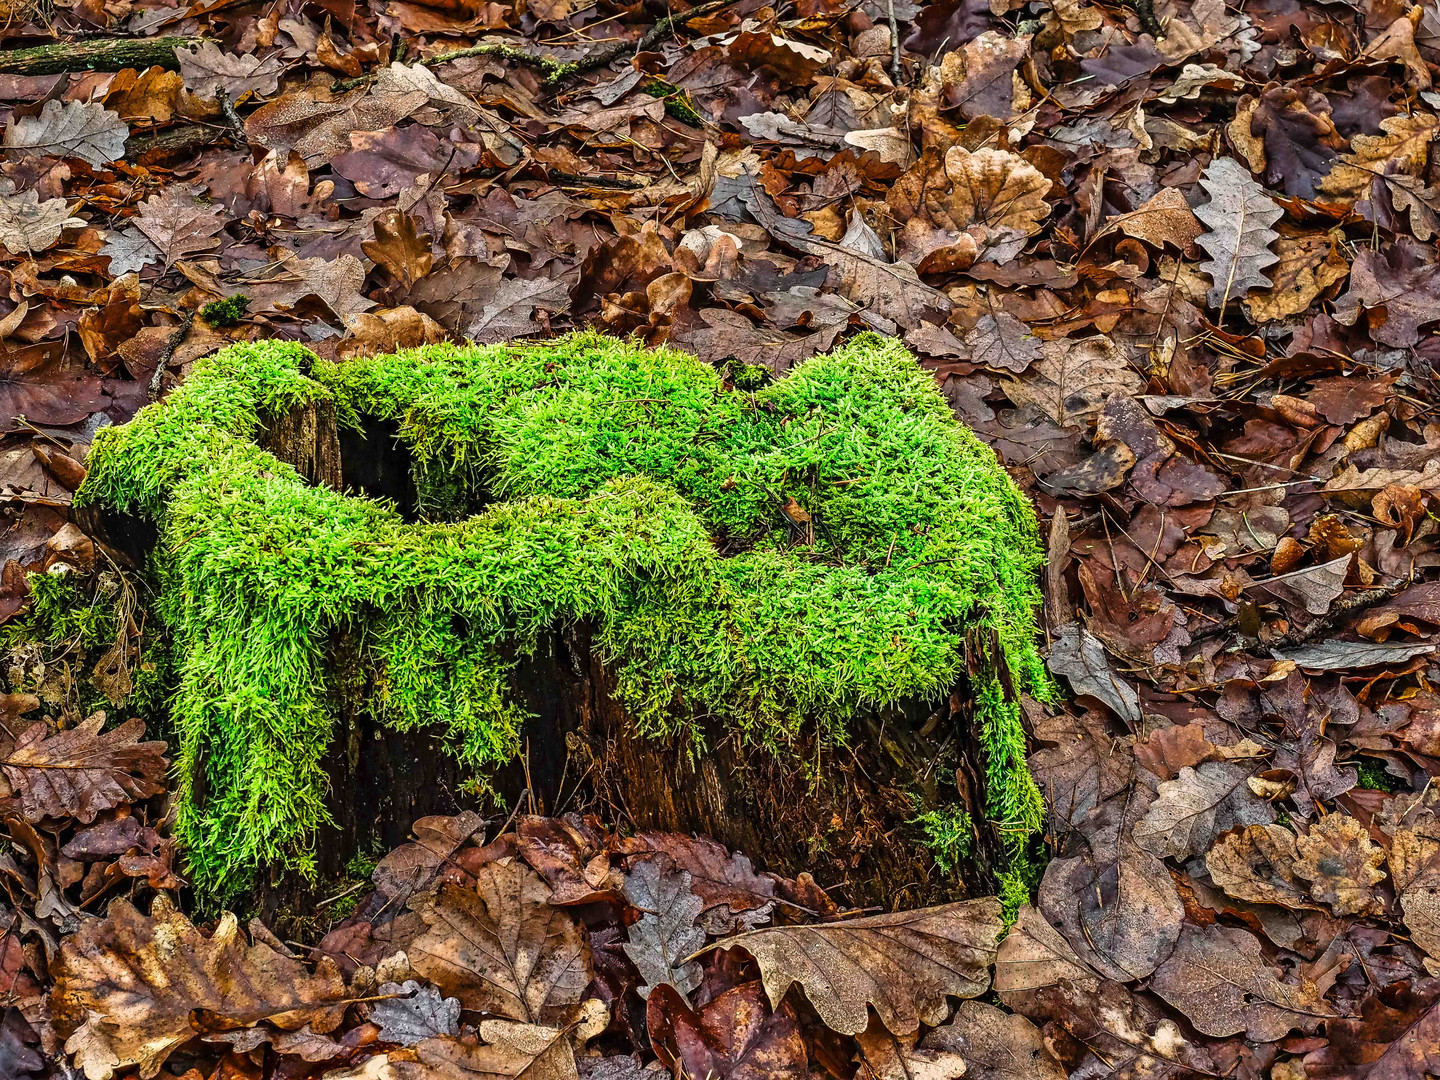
(225, 313)
(947, 833)
(621, 486)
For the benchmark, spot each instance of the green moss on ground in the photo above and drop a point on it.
(625, 487)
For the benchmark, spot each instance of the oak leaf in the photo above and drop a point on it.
(510, 311)
(1074, 377)
(666, 934)
(902, 964)
(1306, 266)
(28, 225)
(500, 947)
(81, 772)
(416, 1012)
(400, 247)
(131, 989)
(995, 1045)
(84, 130)
(733, 1037)
(1402, 150)
(178, 224)
(207, 70)
(897, 1057)
(1257, 864)
(1342, 865)
(1164, 218)
(1193, 809)
(1219, 981)
(964, 205)
(1238, 217)
(504, 1049)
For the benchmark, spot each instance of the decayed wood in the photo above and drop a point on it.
(309, 440)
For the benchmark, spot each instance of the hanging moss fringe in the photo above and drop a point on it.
(618, 485)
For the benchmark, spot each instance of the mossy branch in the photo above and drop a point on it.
(103, 54)
(557, 72)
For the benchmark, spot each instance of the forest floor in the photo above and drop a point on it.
(1176, 263)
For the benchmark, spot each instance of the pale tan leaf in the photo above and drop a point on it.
(1307, 266)
(1402, 150)
(902, 964)
(995, 1045)
(28, 225)
(1239, 217)
(128, 986)
(1257, 864)
(76, 129)
(1197, 806)
(500, 947)
(207, 69)
(1342, 865)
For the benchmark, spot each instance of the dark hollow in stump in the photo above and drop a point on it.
(843, 814)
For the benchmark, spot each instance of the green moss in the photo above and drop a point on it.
(64, 647)
(1371, 774)
(947, 833)
(227, 312)
(620, 486)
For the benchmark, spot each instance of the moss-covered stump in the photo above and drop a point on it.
(780, 573)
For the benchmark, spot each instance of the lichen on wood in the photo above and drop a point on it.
(833, 543)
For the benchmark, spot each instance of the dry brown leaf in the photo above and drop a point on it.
(178, 224)
(129, 988)
(1219, 981)
(1164, 218)
(1257, 864)
(902, 964)
(500, 947)
(1402, 151)
(1308, 265)
(1074, 377)
(979, 78)
(1197, 806)
(1342, 865)
(81, 772)
(1034, 955)
(966, 204)
(995, 1045)
(387, 330)
(896, 1057)
(400, 247)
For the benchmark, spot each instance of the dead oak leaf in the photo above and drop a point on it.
(995, 1045)
(733, 1037)
(1073, 378)
(665, 934)
(207, 70)
(509, 312)
(965, 206)
(1397, 287)
(500, 947)
(999, 340)
(505, 1049)
(902, 964)
(1342, 865)
(725, 334)
(1218, 980)
(1415, 866)
(128, 988)
(1257, 864)
(28, 225)
(895, 1057)
(1307, 266)
(1198, 805)
(979, 78)
(1164, 218)
(400, 247)
(178, 224)
(1402, 150)
(75, 129)
(82, 772)
(1238, 218)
